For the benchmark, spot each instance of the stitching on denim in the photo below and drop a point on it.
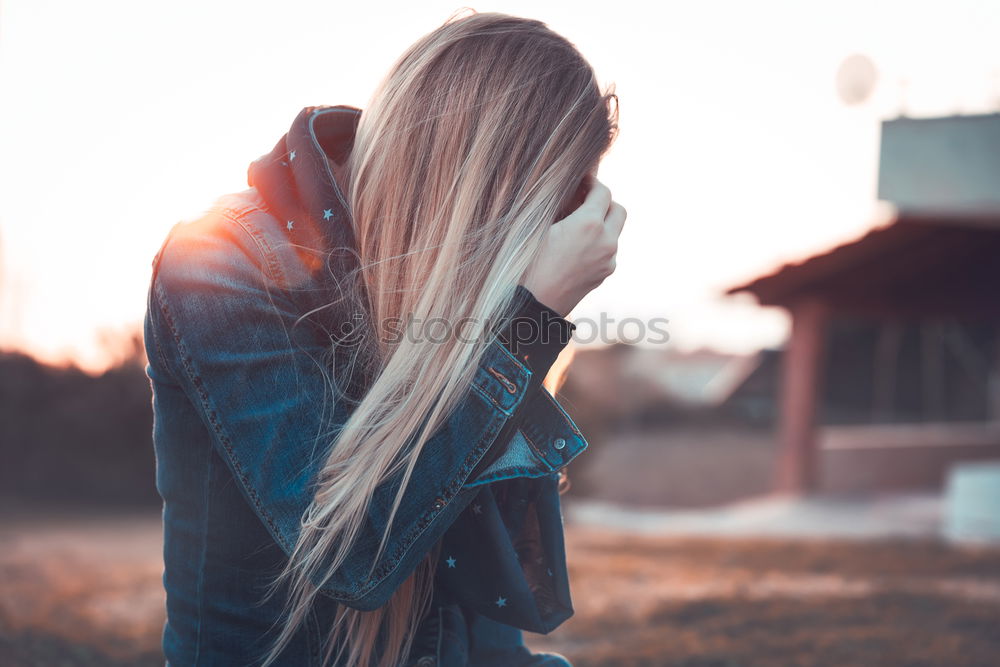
(538, 451)
(159, 350)
(202, 558)
(510, 386)
(482, 383)
(391, 563)
(455, 486)
(267, 252)
(509, 472)
(195, 380)
(155, 340)
(492, 429)
(569, 420)
(521, 367)
(234, 215)
(489, 397)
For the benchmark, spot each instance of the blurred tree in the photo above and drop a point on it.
(67, 437)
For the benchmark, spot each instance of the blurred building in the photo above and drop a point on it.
(672, 428)
(892, 370)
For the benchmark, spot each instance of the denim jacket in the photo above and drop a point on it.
(240, 402)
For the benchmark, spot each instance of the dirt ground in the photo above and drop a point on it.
(86, 591)
(726, 602)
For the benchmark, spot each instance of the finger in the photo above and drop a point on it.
(616, 218)
(598, 199)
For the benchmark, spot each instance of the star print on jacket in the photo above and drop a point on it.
(513, 564)
(290, 223)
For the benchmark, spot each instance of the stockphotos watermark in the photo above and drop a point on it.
(522, 330)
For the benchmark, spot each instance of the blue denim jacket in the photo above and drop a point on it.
(241, 405)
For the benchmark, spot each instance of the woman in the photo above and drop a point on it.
(316, 438)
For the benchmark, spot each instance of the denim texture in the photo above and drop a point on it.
(242, 414)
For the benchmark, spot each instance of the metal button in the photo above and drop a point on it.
(439, 503)
(559, 443)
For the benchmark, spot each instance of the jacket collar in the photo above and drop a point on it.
(296, 181)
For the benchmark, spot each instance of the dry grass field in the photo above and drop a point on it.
(727, 602)
(86, 591)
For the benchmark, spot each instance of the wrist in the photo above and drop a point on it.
(551, 299)
(535, 332)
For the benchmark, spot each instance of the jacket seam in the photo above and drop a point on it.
(485, 394)
(510, 472)
(154, 337)
(234, 215)
(211, 414)
(453, 488)
(266, 250)
(407, 541)
(215, 426)
(203, 557)
(569, 420)
(538, 451)
(159, 351)
(517, 362)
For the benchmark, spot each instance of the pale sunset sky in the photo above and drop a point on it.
(120, 118)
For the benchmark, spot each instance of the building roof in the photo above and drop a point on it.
(917, 265)
(941, 256)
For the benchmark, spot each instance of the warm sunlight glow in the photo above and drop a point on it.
(735, 152)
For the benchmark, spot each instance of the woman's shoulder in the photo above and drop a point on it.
(239, 231)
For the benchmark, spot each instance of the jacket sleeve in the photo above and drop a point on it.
(536, 335)
(255, 374)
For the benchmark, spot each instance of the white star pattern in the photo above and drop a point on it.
(291, 156)
(327, 213)
(477, 508)
(290, 223)
(451, 561)
(501, 602)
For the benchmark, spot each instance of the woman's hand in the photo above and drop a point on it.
(579, 252)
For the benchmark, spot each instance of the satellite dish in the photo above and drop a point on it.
(856, 79)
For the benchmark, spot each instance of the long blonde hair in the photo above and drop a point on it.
(470, 148)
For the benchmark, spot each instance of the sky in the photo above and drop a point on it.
(735, 153)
